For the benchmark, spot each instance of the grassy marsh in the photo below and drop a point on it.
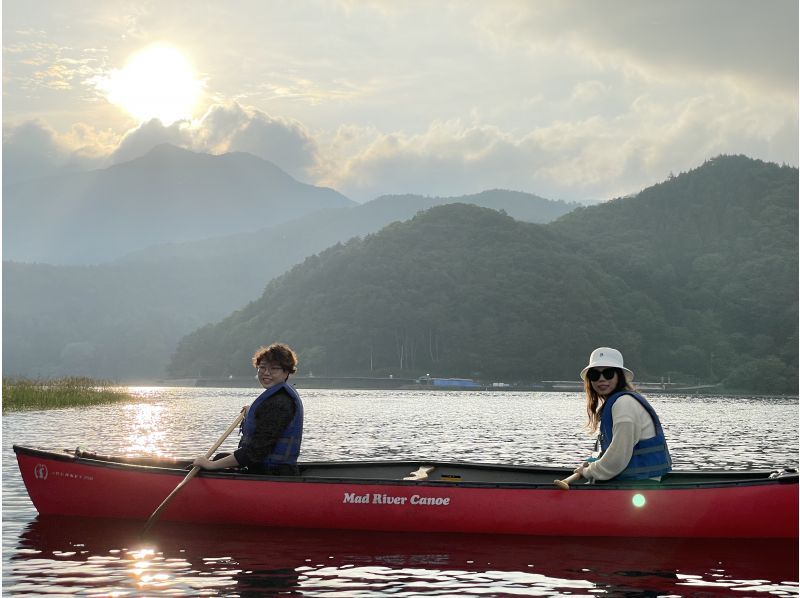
(21, 394)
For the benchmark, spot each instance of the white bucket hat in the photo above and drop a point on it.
(606, 357)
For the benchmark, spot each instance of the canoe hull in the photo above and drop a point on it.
(64, 485)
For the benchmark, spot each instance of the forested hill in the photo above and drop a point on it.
(152, 298)
(695, 278)
(456, 290)
(717, 248)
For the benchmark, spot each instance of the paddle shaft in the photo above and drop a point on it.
(154, 517)
(564, 484)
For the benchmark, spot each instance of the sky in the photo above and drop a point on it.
(581, 100)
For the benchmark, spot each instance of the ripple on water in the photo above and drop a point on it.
(84, 557)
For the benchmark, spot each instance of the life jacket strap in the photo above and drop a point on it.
(651, 449)
(637, 470)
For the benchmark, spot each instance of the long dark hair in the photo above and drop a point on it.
(594, 400)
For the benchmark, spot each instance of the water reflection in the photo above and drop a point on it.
(146, 430)
(74, 555)
(145, 392)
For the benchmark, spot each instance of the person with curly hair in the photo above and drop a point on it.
(272, 430)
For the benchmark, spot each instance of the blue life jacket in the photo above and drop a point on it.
(287, 448)
(650, 457)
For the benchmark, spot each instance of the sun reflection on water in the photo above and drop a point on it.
(145, 570)
(147, 436)
(71, 556)
(145, 392)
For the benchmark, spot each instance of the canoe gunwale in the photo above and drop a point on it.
(706, 479)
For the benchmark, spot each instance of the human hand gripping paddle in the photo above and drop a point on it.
(154, 517)
(564, 484)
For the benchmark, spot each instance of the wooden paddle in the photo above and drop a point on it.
(564, 484)
(154, 517)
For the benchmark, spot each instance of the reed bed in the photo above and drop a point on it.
(23, 394)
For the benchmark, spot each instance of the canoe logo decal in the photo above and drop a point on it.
(377, 498)
(40, 471)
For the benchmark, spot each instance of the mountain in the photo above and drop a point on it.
(314, 232)
(291, 242)
(695, 278)
(520, 206)
(110, 322)
(458, 290)
(154, 296)
(168, 195)
(718, 248)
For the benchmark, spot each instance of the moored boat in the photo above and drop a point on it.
(417, 496)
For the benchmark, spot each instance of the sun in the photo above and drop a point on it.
(157, 82)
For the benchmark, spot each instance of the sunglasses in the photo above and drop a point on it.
(607, 373)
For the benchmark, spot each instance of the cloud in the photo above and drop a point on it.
(33, 150)
(229, 128)
(282, 141)
(30, 150)
(588, 91)
(39, 64)
(752, 42)
(218, 124)
(597, 157)
(569, 99)
(450, 158)
(594, 156)
(137, 142)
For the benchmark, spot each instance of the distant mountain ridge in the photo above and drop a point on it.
(710, 254)
(161, 293)
(317, 230)
(694, 279)
(520, 206)
(167, 195)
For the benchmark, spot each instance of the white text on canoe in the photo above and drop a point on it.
(375, 498)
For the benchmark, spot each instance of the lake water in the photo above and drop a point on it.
(72, 556)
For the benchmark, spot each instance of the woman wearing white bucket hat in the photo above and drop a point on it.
(631, 441)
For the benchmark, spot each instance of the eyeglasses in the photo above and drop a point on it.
(271, 368)
(594, 375)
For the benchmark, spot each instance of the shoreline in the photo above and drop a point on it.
(410, 384)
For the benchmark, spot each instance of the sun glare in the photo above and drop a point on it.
(157, 82)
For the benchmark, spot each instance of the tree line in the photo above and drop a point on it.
(694, 279)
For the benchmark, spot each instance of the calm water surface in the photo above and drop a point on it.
(72, 556)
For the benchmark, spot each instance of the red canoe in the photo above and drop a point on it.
(452, 497)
